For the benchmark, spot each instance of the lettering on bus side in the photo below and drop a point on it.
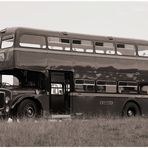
(106, 102)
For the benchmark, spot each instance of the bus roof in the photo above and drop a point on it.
(24, 30)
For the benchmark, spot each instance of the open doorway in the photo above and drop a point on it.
(60, 86)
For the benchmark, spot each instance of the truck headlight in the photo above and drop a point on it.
(7, 99)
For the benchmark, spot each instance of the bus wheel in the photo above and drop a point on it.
(27, 109)
(131, 110)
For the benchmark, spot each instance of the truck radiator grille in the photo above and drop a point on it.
(2, 100)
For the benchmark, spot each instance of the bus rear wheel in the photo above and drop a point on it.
(27, 109)
(131, 110)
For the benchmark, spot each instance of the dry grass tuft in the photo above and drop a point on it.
(77, 132)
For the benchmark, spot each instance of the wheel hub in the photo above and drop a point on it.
(29, 112)
(130, 113)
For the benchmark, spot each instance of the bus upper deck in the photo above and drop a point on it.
(95, 56)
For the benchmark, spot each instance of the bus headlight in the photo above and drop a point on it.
(7, 109)
(7, 99)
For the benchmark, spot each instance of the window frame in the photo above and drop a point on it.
(127, 86)
(134, 45)
(104, 41)
(7, 38)
(44, 36)
(60, 38)
(84, 86)
(85, 50)
(59, 88)
(138, 50)
(106, 84)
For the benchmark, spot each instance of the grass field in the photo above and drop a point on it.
(77, 132)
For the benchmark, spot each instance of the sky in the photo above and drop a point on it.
(108, 18)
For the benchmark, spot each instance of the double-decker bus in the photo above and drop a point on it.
(72, 74)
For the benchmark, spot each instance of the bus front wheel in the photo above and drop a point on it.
(131, 109)
(27, 109)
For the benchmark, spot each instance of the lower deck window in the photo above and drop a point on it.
(128, 87)
(106, 86)
(85, 85)
(102, 86)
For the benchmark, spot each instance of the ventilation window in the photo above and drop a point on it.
(120, 46)
(99, 44)
(76, 42)
(64, 40)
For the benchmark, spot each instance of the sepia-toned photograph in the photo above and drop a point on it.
(73, 73)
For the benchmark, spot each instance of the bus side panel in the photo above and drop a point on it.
(29, 59)
(143, 104)
(88, 103)
(113, 68)
(44, 101)
(6, 58)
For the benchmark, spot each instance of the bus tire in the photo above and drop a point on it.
(131, 109)
(27, 109)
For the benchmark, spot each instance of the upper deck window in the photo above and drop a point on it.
(7, 41)
(56, 43)
(104, 47)
(32, 41)
(126, 49)
(82, 46)
(143, 50)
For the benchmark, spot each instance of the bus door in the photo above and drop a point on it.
(60, 86)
